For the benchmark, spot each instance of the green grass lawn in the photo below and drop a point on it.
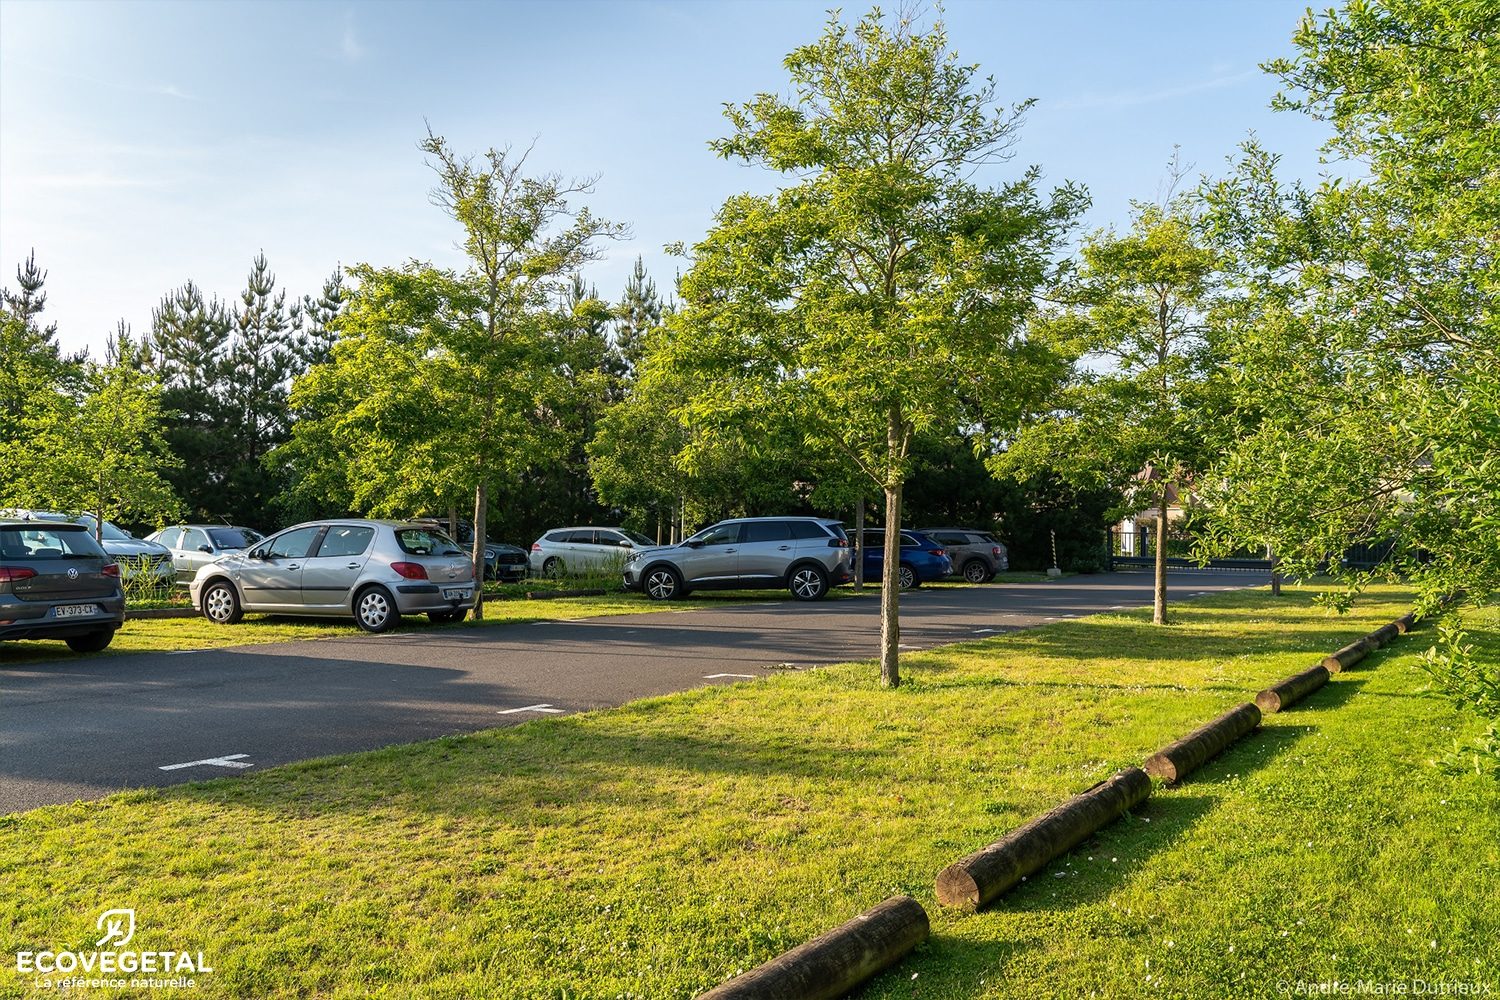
(146, 635)
(652, 850)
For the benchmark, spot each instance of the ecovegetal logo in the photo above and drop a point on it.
(113, 968)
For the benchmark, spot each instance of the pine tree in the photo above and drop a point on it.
(262, 360)
(315, 342)
(32, 368)
(639, 311)
(190, 346)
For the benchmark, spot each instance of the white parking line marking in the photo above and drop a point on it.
(982, 631)
(714, 677)
(228, 760)
(543, 707)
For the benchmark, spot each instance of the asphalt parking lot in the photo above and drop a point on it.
(84, 728)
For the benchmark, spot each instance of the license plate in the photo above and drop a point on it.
(75, 610)
(456, 594)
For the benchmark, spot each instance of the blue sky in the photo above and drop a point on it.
(142, 145)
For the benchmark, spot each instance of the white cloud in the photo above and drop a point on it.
(1136, 98)
(349, 46)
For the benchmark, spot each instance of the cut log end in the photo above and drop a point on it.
(956, 887)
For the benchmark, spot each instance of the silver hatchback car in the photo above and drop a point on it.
(375, 571)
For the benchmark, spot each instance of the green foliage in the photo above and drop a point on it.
(98, 450)
(879, 296)
(1365, 352)
(653, 850)
(446, 384)
(1473, 684)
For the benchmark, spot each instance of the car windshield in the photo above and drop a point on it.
(110, 532)
(234, 538)
(637, 538)
(426, 542)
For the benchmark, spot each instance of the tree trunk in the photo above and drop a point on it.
(452, 521)
(1275, 576)
(1159, 607)
(481, 515)
(890, 592)
(859, 544)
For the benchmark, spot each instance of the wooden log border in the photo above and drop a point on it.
(992, 871)
(834, 963)
(1292, 690)
(841, 960)
(1175, 762)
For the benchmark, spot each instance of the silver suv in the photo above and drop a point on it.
(977, 555)
(806, 555)
(375, 571)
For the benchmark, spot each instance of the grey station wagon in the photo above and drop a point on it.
(375, 571)
(57, 583)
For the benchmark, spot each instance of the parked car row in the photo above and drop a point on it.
(57, 581)
(764, 552)
(141, 562)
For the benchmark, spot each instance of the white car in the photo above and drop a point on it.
(584, 549)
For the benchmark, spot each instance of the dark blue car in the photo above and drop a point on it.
(922, 559)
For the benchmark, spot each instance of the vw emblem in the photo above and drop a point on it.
(72, 572)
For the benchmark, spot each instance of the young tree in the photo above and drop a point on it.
(1140, 405)
(881, 294)
(1366, 347)
(523, 241)
(442, 382)
(100, 450)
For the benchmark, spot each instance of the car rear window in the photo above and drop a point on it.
(233, 538)
(47, 543)
(811, 529)
(426, 542)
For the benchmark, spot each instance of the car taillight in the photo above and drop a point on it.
(838, 543)
(10, 574)
(110, 569)
(997, 551)
(938, 552)
(536, 546)
(411, 571)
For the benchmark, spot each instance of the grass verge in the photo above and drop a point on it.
(160, 635)
(652, 850)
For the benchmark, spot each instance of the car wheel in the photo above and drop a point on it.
(553, 568)
(906, 578)
(375, 610)
(808, 583)
(221, 605)
(975, 571)
(447, 617)
(662, 584)
(93, 642)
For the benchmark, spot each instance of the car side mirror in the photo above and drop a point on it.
(626, 545)
(693, 543)
(206, 548)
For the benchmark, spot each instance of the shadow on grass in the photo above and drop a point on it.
(534, 775)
